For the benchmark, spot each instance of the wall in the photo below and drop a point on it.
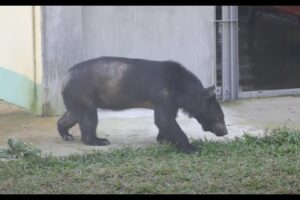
(62, 48)
(73, 34)
(20, 56)
(181, 33)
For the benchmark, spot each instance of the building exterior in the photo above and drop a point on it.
(52, 39)
(40, 43)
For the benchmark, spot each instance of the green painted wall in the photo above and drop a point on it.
(18, 89)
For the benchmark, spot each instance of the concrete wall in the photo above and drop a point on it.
(62, 48)
(72, 34)
(20, 56)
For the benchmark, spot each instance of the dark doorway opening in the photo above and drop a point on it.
(269, 47)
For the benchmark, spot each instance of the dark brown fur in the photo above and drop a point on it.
(120, 83)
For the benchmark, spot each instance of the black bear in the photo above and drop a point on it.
(118, 83)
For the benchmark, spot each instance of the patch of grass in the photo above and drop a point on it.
(269, 164)
(18, 149)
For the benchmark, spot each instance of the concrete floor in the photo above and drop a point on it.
(136, 126)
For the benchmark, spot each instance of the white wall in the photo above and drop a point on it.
(73, 33)
(181, 33)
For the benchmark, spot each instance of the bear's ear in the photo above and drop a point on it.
(209, 92)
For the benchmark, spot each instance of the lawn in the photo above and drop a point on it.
(269, 164)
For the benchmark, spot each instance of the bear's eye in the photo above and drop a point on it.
(219, 117)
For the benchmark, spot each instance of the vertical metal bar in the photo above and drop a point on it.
(215, 41)
(226, 79)
(234, 52)
(230, 53)
(214, 47)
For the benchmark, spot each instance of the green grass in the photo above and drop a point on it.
(270, 164)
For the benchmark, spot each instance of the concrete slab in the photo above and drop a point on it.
(136, 126)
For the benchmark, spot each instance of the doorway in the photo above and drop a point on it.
(263, 42)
